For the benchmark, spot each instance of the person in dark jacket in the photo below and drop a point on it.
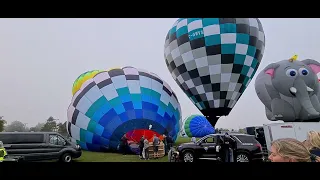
(227, 148)
(170, 142)
(124, 145)
(219, 149)
(165, 142)
(313, 142)
(141, 145)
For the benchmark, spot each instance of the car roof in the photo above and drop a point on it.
(29, 133)
(232, 134)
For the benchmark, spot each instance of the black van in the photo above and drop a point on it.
(38, 146)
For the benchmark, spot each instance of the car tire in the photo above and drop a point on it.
(242, 157)
(66, 158)
(188, 156)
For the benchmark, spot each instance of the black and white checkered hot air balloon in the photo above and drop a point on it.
(214, 59)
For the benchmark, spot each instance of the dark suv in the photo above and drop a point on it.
(248, 148)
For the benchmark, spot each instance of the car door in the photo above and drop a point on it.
(207, 148)
(55, 144)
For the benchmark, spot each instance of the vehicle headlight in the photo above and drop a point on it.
(77, 146)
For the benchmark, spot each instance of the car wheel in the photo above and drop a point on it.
(188, 157)
(242, 157)
(66, 157)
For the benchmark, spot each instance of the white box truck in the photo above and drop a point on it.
(296, 130)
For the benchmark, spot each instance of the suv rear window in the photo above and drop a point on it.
(21, 138)
(247, 139)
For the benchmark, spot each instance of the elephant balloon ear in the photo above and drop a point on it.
(313, 64)
(270, 69)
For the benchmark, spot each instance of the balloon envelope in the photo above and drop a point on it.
(113, 103)
(289, 90)
(214, 59)
(197, 126)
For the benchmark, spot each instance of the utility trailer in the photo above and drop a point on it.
(296, 130)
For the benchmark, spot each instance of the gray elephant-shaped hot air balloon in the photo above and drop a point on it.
(289, 89)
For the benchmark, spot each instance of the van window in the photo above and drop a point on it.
(21, 138)
(56, 140)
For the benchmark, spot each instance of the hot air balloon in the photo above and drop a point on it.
(197, 126)
(214, 59)
(289, 90)
(121, 101)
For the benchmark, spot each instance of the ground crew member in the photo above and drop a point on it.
(3, 152)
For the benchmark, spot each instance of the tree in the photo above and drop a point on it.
(2, 124)
(243, 131)
(50, 125)
(16, 126)
(37, 128)
(62, 129)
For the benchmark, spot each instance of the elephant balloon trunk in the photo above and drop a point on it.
(301, 91)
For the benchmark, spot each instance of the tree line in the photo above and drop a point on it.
(50, 125)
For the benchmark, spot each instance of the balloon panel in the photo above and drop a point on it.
(214, 59)
(115, 102)
(82, 78)
(197, 126)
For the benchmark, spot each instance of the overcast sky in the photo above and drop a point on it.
(41, 58)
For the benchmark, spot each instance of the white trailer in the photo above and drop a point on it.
(296, 130)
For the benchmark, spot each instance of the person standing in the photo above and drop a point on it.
(169, 141)
(226, 148)
(165, 142)
(193, 139)
(3, 152)
(145, 151)
(141, 144)
(156, 143)
(233, 149)
(124, 144)
(313, 142)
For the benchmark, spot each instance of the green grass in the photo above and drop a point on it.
(116, 157)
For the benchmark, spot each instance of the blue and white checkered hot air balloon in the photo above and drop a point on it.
(214, 59)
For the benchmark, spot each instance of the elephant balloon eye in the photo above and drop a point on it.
(303, 71)
(291, 72)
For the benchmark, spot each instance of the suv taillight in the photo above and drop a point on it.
(259, 146)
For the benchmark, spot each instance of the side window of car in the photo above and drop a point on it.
(56, 140)
(210, 140)
(61, 141)
(53, 139)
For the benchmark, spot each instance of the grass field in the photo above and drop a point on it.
(115, 157)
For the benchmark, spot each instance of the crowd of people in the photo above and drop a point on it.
(144, 146)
